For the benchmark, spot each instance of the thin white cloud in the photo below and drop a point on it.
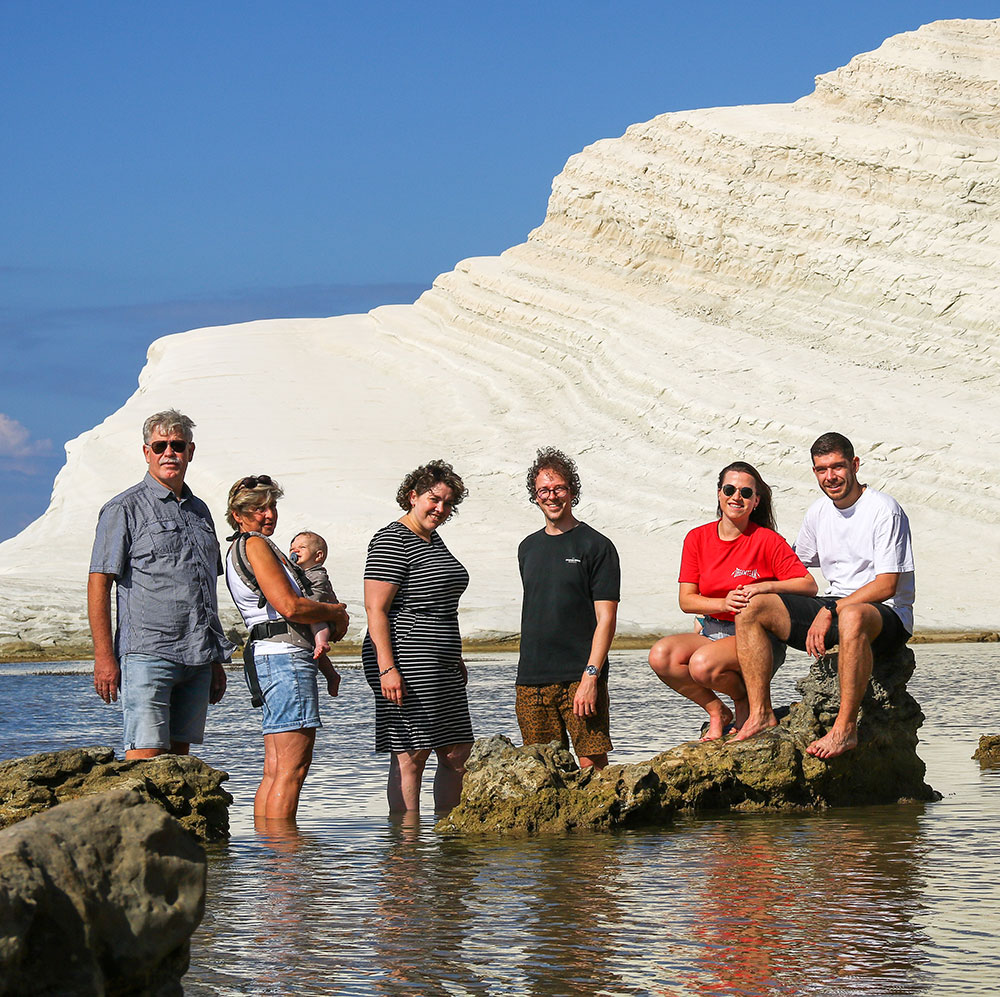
(16, 441)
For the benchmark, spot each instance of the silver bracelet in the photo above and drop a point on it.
(387, 670)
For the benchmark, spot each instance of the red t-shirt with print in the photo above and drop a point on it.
(719, 566)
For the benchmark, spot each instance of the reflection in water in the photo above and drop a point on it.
(426, 901)
(808, 904)
(849, 902)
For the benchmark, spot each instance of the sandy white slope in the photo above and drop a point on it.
(714, 284)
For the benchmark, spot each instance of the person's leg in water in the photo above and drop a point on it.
(287, 757)
(451, 761)
(406, 769)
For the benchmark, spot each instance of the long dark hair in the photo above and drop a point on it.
(763, 515)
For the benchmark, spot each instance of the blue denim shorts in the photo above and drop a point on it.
(715, 629)
(288, 684)
(163, 701)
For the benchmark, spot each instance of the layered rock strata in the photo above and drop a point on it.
(714, 284)
(541, 788)
(98, 896)
(184, 786)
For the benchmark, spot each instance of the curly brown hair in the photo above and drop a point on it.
(253, 492)
(551, 459)
(422, 479)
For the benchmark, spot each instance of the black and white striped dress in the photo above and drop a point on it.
(426, 643)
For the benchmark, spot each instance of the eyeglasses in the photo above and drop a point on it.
(176, 446)
(254, 480)
(729, 490)
(558, 490)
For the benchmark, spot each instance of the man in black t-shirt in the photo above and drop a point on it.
(572, 582)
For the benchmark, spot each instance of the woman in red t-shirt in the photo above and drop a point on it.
(724, 564)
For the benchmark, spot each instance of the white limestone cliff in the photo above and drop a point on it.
(715, 284)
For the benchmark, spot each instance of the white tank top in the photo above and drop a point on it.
(247, 603)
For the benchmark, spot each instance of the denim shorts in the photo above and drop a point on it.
(288, 685)
(715, 629)
(163, 701)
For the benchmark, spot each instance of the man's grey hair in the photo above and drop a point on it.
(166, 422)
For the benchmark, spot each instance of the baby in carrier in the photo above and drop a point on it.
(308, 551)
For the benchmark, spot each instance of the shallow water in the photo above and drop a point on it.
(884, 900)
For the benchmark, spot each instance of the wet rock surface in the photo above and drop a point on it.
(988, 752)
(184, 786)
(541, 788)
(98, 896)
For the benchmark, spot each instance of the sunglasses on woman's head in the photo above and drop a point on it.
(729, 490)
(176, 446)
(256, 479)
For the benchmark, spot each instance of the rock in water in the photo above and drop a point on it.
(988, 752)
(186, 787)
(541, 788)
(98, 896)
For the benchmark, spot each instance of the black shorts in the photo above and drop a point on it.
(802, 610)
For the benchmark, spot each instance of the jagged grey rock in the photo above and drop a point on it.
(98, 896)
(541, 788)
(184, 786)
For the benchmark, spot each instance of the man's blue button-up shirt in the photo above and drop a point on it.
(165, 558)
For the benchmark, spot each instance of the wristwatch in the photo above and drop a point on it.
(591, 670)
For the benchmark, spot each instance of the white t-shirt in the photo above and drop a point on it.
(851, 546)
(247, 602)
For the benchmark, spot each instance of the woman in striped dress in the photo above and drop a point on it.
(412, 653)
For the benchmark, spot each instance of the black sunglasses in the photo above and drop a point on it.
(728, 490)
(177, 446)
(254, 480)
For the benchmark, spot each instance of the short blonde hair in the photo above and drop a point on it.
(253, 492)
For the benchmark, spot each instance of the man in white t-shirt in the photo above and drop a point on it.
(860, 540)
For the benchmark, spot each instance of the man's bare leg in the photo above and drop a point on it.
(764, 615)
(859, 625)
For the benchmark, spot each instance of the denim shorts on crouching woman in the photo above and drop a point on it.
(288, 683)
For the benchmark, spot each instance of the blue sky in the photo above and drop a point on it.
(169, 166)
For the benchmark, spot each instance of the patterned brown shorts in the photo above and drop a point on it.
(545, 713)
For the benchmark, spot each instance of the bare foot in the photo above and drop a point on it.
(717, 724)
(833, 744)
(754, 725)
(333, 683)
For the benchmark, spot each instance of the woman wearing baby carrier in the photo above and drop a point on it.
(281, 671)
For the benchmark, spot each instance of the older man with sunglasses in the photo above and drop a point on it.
(156, 544)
